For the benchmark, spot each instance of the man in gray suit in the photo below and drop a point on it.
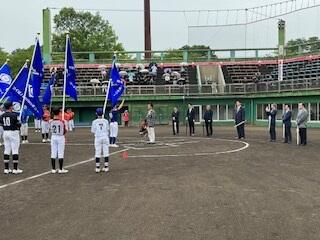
(302, 119)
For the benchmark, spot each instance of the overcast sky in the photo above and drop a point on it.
(22, 19)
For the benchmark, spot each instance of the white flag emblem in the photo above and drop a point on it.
(5, 78)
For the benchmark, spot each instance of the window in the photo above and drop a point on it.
(294, 108)
(280, 111)
(314, 112)
(230, 112)
(215, 112)
(197, 112)
(222, 112)
(260, 111)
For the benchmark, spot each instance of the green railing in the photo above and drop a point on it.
(170, 56)
(189, 56)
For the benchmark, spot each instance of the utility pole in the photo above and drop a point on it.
(147, 29)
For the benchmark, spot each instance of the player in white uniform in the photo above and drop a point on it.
(1, 127)
(45, 125)
(100, 129)
(37, 125)
(24, 125)
(11, 126)
(114, 127)
(58, 130)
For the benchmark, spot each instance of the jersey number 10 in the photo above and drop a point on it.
(6, 122)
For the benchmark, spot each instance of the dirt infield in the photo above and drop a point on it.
(180, 188)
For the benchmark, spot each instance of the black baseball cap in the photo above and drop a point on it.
(8, 105)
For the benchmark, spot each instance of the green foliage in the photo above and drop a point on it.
(18, 57)
(195, 53)
(88, 32)
(3, 56)
(302, 45)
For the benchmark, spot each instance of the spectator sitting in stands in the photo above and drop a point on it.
(131, 76)
(167, 70)
(167, 77)
(153, 73)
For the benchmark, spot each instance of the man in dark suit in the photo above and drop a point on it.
(191, 115)
(272, 114)
(208, 114)
(286, 120)
(239, 117)
(175, 121)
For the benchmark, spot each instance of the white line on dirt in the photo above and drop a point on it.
(246, 145)
(49, 172)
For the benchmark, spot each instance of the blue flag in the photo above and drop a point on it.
(116, 85)
(26, 113)
(5, 78)
(16, 93)
(46, 99)
(71, 88)
(37, 72)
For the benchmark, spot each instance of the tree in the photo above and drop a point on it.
(294, 46)
(18, 57)
(314, 44)
(88, 32)
(195, 52)
(3, 56)
(300, 45)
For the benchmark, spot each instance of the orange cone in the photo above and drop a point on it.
(125, 155)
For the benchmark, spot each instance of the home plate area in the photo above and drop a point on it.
(181, 147)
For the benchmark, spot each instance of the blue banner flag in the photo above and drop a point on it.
(71, 88)
(5, 78)
(46, 99)
(37, 72)
(116, 85)
(17, 91)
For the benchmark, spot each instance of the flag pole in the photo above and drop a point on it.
(106, 99)
(108, 88)
(51, 94)
(65, 78)
(28, 79)
(13, 81)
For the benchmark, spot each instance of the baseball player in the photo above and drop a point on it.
(24, 125)
(114, 127)
(71, 119)
(58, 130)
(1, 127)
(11, 126)
(37, 124)
(45, 126)
(100, 129)
(66, 119)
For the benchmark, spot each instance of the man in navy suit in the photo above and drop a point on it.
(191, 115)
(239, 117)
(286, 119)
(208, 115)
(272, 114)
